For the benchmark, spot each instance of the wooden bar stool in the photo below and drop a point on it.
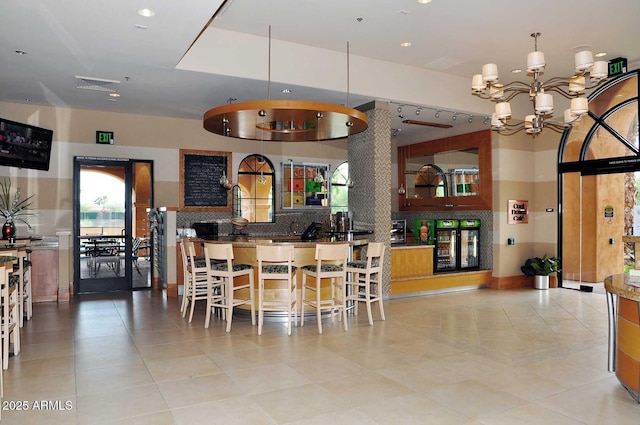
(10, 327)
(275, 262)
(331, 263)
(195, 282)
(366, 279)
(220, 265)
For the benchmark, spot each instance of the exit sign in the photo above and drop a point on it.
(617, 66)
(104, 137)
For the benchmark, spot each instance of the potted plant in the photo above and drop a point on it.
(541, 268)
(13, 209)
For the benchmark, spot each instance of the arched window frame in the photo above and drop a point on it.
(340, 188)
(250, 170)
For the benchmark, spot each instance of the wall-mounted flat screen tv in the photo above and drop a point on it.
(24, 145)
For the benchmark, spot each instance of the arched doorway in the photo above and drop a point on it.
(597, 161)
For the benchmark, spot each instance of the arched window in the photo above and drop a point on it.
(340, 188)
(256, 178)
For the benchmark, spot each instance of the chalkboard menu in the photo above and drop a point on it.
(200, 173)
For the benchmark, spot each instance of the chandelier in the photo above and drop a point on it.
(588, 74)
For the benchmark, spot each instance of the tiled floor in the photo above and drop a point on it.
(479, 357)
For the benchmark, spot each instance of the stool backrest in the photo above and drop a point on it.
(375, 255)
(337, 253)
(275, 253)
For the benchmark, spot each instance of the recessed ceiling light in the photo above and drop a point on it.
(147, 13)
(406, 44)
(21, 52)
(114, 94)
(516, 71)
(601, 54)
(287, 91)
(424, 1)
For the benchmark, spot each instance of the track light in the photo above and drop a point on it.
(470, 119)
(418, 111)
(400, 109)
(454, 117)
(437, 114)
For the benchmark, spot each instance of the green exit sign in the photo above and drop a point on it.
(617, 66)
(104, 137)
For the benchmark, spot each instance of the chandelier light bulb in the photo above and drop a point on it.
(490, 72)
(570, 117)
(503, 110)
(600, 70)
(495, 122)
(477, 84)
(528, 121)
(577, 85)
(584, 61)
(496, 91)
(544, 103)
(535, 62)
(579, 105)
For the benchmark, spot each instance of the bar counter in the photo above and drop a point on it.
(244, 251)
(624, 330)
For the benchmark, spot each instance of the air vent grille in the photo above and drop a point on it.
(97, 84)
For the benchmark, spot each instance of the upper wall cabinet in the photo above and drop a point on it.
(446, 174)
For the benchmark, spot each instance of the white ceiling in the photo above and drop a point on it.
(162, 73)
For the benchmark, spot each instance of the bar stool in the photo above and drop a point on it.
(195, 282)
(219, 258)
(331, 263)
(275, 262)
(366, 279)
(10, 328)
(26, 301)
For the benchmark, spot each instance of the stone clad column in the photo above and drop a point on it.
(370, 170)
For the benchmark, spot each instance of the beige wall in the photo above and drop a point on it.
(137, 137)
(524, 168)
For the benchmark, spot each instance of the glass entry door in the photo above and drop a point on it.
(112, 247)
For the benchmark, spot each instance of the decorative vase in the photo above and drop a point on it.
(8, 230)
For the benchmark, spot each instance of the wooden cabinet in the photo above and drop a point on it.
(412, 273)
(305, 185)
(44, 274)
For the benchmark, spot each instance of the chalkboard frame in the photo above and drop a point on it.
(184, 156)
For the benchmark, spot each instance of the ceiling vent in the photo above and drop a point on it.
(97, 84)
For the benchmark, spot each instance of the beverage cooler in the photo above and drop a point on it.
(457, 245)
(446, 246)
(469, 244)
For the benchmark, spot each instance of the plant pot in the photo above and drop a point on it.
(541, 282)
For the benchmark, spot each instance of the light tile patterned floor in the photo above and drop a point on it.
(479, 357)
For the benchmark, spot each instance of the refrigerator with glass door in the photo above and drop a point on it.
(446, 243)
(469, 245)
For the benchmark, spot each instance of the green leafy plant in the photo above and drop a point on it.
(541, 266)
(12, 208)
